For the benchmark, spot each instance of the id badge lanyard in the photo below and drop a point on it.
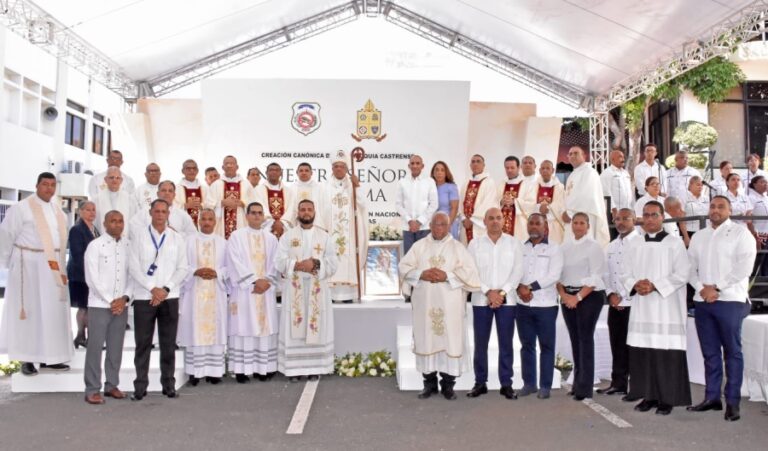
(153, 266)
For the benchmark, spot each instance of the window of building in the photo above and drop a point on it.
(75, 131)
(75, 106)
(98, 139)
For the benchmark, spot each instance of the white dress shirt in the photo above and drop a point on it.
(740, 205)
(748, 176)
(106, 271)
(617, 184)
(170, 260)
(643, 171)
(615, 253)
(583, 264)
(677, 181)
(542, 267)
(416, 200)
(723, 257)
(759, 208)
(499, 265)
(696, 206)
(720, 187)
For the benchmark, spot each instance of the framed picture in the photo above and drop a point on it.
(382, 279)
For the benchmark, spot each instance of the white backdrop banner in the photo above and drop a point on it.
(292, 121)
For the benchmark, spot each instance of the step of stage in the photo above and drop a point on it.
(408, 378)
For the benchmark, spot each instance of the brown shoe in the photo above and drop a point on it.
(115, 393)
(94, 398)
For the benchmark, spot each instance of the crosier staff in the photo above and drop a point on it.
(358, 154)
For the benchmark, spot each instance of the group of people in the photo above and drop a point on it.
(206, 261)
(530, 247)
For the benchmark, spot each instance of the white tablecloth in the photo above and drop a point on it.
(754, 339)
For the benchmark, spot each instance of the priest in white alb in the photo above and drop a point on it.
(114, 197)
(527, 199)
(97, 183)
(340, 225)
(147, 192)
(203, 304)
(228, 196)
(253, 321)
(655, 271)
(35, 325)
(584, 194)
(477, 196)
(436, 273)
(307, 259)
(307, 188)
(191, 195)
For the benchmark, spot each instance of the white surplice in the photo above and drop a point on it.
(439, 309)
(203, 307)
(253, 320)
(44, 334)
(658, 319)
(120, 201)
(306, 317)
(584, 193)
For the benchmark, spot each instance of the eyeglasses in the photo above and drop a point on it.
(651, 215)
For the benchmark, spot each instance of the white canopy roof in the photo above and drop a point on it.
(590, 44)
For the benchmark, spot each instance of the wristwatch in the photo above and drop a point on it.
(503, 293)
(578, 297)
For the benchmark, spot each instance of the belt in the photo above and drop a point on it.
(572, 290)
(31, 249)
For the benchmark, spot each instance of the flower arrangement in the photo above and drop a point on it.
(695, 135)
(374, 364)
(563, 364)
(384, 233)
(14, 366)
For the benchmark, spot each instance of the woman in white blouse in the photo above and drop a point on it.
(652, 192)
(582, 295)
(740, 204)
(758, 187)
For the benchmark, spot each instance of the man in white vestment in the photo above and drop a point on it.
(307, 258)
(35, 326)
(477, 196)
(178, 220)
(617, 184)
(191, 195)
(436, 274)
(306, 188)
(253, 317)
(211, 175)
(340, 225)
(654, 272)
(203, 304)
(228, 196)
(254, 176)
(147, 192)
(679, 176)
(97, 183)
(528, 197)
(114, 198)
(584, 194)
(277, 200)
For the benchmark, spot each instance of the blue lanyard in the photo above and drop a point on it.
(157, 246)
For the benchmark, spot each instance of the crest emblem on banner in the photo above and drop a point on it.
(368, 123)
(306, 117)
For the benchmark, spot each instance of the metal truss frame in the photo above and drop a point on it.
(740, 27)
(599, 139)
(31, 22)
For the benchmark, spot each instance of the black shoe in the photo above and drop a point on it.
(313, 377)
(449, 394)
(213, 380)
(294, 379)
(507, 392)
(645, 406)
(579, 397)
(241, 378)
(630, 398)
(663, 409)
(55, 367)
(260, 377)
(477, 390)
(138, 396)
(193, 381)
(612, 391)
(430, 386)
(427, 392)
(712, 404)
(28, 369)
(271, 375)
(171, 393)
(732, 413)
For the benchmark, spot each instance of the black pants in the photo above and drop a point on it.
(581, 322)
(144, 316)
(618, 324)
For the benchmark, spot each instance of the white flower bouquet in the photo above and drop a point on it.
(695, 135)
(374, 364)
(563, 364)
(384, 233)
(14, 366)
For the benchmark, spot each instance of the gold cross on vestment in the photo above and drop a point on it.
(318, 249)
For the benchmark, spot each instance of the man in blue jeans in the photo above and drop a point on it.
(537, 311)
(721, 257)
(498, 258)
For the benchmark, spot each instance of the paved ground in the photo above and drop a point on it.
(358, 414)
